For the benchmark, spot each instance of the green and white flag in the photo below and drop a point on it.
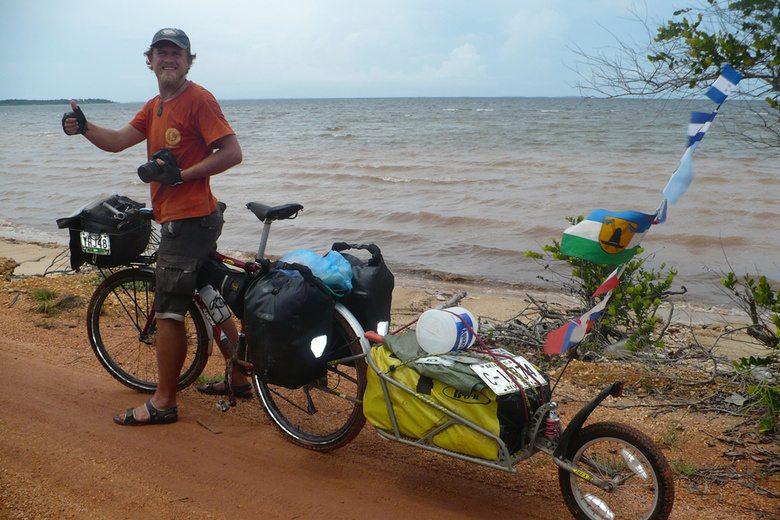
(606, 237)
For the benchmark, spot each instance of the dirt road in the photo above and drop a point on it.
(62, 457)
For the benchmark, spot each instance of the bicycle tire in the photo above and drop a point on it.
(116, 316)
(315, 418)
(645, 492)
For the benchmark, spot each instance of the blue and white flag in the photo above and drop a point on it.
(723, 86)
(681, 178)
(700, 122)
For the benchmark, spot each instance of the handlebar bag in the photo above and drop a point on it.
(372, 287)
(108, 232)
(288, 318)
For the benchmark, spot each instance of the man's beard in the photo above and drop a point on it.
(170, 81)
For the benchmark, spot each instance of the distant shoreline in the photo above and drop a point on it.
(19, 102)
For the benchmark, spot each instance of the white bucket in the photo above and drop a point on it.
(442, 331)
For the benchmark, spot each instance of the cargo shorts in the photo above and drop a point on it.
(184, 246)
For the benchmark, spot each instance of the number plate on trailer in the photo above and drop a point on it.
(95, 243)
(497, 379)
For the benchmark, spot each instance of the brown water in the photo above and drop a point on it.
(460, 186)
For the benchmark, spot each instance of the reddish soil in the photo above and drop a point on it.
(62, 457)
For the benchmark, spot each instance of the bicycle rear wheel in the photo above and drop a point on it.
(124, 337)
(328, 413)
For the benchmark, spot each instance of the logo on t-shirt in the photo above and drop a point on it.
(172, 138)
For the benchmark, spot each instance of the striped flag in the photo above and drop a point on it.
(700, 122)
(605, 237)
(610, 283)
(572, 333)
(724, 85)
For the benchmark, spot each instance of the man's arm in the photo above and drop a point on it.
(113, 140)
(104, 138)
(227, 154)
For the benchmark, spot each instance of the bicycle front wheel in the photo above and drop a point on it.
(123, 332)
(643, 481)
(328, 413)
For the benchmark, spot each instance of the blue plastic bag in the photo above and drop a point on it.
(333, 269)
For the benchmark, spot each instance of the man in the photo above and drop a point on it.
(188, 136)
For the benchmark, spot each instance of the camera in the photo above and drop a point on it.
(152, 170)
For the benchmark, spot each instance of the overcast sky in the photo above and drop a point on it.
(313, 48)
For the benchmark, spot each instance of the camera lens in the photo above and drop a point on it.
(149, 171)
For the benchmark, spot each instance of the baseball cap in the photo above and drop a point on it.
(175, 36)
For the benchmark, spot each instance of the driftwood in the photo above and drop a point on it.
(452, 302)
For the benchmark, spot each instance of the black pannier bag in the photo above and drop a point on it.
(515, 410)
(288, 318)
(108, 232)
(228, 281)
(372, 287)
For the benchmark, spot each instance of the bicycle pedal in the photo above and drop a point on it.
(245, 368)
(223, 406)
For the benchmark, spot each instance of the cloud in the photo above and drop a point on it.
(534, 32)
(463, 62)
(306, 48)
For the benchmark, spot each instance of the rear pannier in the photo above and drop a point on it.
(288, 318)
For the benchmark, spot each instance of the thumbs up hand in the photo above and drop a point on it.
(74, 122)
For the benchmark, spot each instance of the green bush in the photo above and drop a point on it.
(762, 304)
(45, 300)
(632, 311)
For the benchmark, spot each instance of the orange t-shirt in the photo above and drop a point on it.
(188, 126)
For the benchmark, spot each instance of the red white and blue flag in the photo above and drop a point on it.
(565, 337)
(610, 283)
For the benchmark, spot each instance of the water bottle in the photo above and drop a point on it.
(441, 331)
(215, 304)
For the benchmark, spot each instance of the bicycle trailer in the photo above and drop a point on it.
(440, 403)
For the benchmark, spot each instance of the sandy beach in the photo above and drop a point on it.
(32, 258)
(35, 258)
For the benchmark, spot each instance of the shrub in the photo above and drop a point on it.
(632, 311)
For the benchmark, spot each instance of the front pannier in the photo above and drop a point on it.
(108, 232)
(288, 317)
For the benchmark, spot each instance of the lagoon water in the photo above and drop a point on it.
(461, 186)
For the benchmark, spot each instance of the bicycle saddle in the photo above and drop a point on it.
(264, 212)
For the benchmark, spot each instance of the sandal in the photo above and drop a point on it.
(166, 416)
(240, 391)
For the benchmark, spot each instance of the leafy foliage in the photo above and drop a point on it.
(762, 304)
